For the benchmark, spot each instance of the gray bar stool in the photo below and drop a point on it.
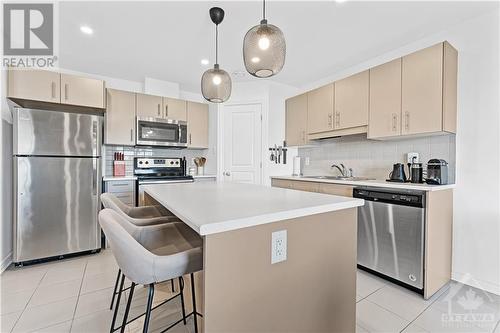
(140, 216)
(152, 254)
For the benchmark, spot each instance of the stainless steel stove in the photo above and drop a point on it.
(158, 170)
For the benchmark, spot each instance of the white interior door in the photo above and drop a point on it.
(242, 131)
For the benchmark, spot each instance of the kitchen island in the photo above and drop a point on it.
(240, 290)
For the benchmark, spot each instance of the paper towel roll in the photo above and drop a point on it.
(296, 166)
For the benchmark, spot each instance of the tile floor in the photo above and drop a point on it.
(73, 296)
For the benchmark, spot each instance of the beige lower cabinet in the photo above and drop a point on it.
(295, 185)
(82, 91)
(197, 119)
(351, 101)
(149, 106)
(119, 118)
(296, 120)
(385, 100)
(335, 189)
(36, 85)
(320, 108)
(174, 109)
(124, 190)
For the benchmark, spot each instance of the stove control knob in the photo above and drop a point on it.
(176, 162)
(147, 162)
(140, 162)
(171, 162)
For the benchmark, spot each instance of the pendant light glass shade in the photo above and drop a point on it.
(216, 83)
(264, 49)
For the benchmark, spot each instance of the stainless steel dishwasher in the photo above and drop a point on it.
(391, 231)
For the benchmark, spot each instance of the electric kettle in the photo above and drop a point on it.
(398, 173)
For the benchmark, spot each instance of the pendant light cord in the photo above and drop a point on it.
(264, 9)
(216, 43)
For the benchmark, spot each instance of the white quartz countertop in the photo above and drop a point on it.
(204, 176)
(374, 183)
(214, 207)
(113, 178)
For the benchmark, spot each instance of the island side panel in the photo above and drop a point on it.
(314, 290)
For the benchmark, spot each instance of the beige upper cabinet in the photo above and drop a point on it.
(174, 109)
(120, 118)
(320, 103)
(197, 118)
(296, 120)
(351, 101)
(82, 91)
(385, 100)
(37, 85)
(149, 106)
(422, 91)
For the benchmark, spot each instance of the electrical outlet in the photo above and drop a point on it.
(410, 157)
(306, 161)
(278, 246)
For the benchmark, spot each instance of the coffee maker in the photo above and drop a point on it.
(437, 172)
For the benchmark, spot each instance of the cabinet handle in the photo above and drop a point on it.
(166, 111)
(394, 122)
(53, 87)
(337, 119)
(159, 110)
(66, 91)
(190, 138)
(407, 120)
(131, 135)
(330, 119)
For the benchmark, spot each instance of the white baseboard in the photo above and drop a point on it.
(466, 278)
(6, 262)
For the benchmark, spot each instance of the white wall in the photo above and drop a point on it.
(476, 234)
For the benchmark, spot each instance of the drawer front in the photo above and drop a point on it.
(281, 183)
(120, 186)
(126, 197)
(342, 190)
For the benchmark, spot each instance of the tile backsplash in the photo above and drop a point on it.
(375, 158)
(131, 152)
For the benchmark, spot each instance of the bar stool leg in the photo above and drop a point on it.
(195, 314)
(117, 304)
(181, 286)
(131, 293)
(148, 309)
(116, 287)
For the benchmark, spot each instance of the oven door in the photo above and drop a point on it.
(161, 132)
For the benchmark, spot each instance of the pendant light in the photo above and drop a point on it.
(216, 82)
(264, 48)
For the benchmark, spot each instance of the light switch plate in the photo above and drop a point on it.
(410, 156)
(278, 246)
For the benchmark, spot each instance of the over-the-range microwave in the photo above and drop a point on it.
(161, 132)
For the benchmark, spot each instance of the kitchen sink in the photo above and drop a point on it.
(340, 178)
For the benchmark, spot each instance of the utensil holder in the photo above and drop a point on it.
(200, 171)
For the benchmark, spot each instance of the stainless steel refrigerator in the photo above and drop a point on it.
(57, 171)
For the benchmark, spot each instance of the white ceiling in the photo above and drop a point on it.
(167, 40)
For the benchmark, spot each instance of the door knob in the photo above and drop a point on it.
(227, 173)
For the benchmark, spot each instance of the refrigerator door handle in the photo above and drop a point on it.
(94, 177)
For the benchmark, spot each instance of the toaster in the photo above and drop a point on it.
(437, 172)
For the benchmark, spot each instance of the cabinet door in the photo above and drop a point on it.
(296, 120)
(35, 85)
(422, 91)
(342, 190)
(305, 186)
(120, 118)
(174, 109)
(82, 91)
(197, 118)
(149, 106)
(385, 100)
(320, 109)
(351, 101)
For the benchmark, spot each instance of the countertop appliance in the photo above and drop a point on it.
(416, 173)
(161, 132)
(398, 173)
(437, 172)
(158, 170)
(391, 230)
(57, 172)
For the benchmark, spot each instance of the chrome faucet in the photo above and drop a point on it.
(341, 170)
